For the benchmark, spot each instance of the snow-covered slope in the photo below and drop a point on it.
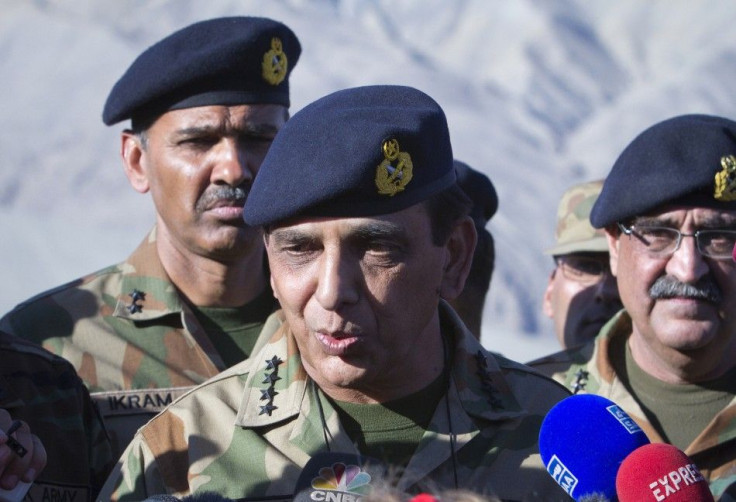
(539, 94)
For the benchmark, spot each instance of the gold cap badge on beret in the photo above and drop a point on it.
(725, 181)
(275, 63)
(391, 179)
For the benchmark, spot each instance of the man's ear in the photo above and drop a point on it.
(133, 154)
(547, 299)
(613, 236)
(460, 248)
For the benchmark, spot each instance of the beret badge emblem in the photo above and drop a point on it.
(275, 64)
(395, 171)
(725, 181)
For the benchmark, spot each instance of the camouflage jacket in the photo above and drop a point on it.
(130, 336)
(44, 391)
(590, 369)
(248, 432)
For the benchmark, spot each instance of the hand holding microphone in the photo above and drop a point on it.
(22, 458)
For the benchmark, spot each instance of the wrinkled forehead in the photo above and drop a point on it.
(676, 215)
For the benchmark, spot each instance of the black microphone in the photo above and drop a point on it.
(582, 442)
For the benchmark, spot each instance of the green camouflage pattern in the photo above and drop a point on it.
(590, 369)
(44, 391)
(135, 355)
(219, 437)
(574, 233)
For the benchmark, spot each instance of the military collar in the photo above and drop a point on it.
(609, 354)
(146, 291)
(479, 376)
(277, 383)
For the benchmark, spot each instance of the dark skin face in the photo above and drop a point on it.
(198, 164)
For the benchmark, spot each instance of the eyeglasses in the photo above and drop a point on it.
(586, 270)
(664, 241)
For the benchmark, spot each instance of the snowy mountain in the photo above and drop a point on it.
(539, 94)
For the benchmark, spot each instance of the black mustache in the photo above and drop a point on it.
(222, 193)
(669, 287)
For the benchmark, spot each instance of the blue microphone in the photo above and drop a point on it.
(583, 440)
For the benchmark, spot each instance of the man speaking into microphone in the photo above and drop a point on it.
(668, 359)
(367, 235)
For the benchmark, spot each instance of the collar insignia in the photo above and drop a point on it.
(486, 381)
(136, 296)
(395, 171)
(581, 380)
(275, 64)
(725, 182)
(269, 392)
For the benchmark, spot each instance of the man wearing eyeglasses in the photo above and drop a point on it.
(581, 294)
(668, 208)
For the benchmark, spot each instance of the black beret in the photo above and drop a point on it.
(687, 160)
(223, 61)
(357, 152)
(479, 188)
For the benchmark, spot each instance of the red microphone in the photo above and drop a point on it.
(660, 472)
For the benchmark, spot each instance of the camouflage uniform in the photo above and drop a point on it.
(43, 390)
(590, 369)
(132, 339)
(574, 233)
(250, 430)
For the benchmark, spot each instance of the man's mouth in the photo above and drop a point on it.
(337, 343)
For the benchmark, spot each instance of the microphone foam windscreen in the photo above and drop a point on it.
(583, 440)
(660, 471)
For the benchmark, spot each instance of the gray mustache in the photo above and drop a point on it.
(225, 192)
(669, 287)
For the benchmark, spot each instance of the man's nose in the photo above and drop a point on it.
(338, 282)
(231, 164)
(687, 264)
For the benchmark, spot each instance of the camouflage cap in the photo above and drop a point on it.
(574, 233)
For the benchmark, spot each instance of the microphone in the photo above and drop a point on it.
(582, 442)
(338, 476)
(660, 471)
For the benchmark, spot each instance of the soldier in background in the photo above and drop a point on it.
(581, 294)
(367, 234)
(668, 359)
(469, 304)
(204, 104)
(68, 435)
